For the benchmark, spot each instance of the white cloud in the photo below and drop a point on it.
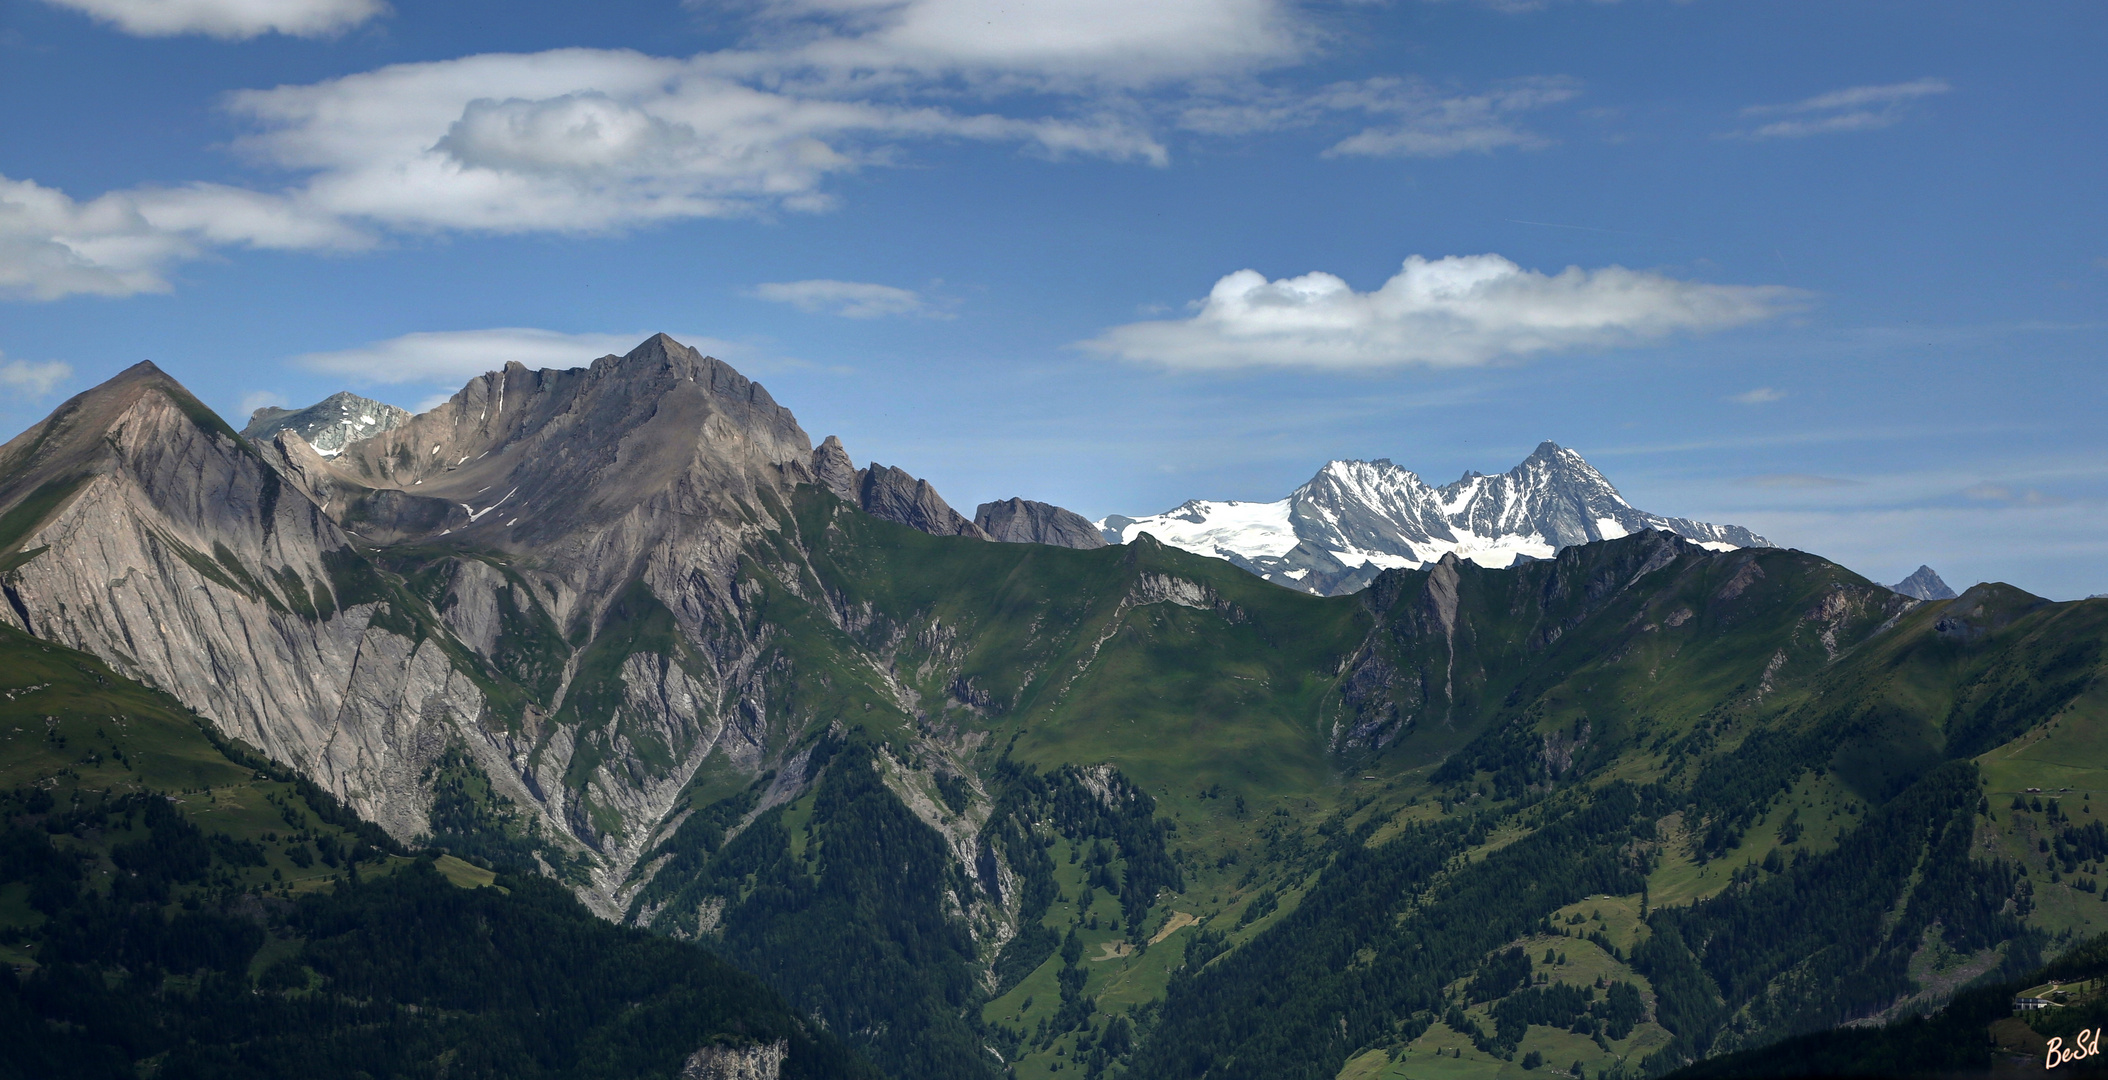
(584, 140)
(34, 380)
(1115, 42)
(1451, 312)
(1857, 108)
(573, 140)
(228, 18)
(1762, 395)
(455, 356)
(1415, 119)
(123, 242)
(849, 299)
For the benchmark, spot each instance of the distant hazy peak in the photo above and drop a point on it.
(328, 425)
(1924, 585)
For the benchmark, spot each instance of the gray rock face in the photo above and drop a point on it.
(158, 540)
(328, 425)
(886, 492)
(762, 1061)
(1022, 521)
(1924, 585)
(833, 469)
(1355, 519)
(890, 493)
(549, 516)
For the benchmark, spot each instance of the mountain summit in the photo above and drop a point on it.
(330, 424)
(1924, 585)
(1356, 519)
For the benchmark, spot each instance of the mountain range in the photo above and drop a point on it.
(973, 808)
(1356, 519)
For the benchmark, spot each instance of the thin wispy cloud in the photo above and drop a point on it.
(1762, 395)
(1797, 480)
(1442, 313)
(453, 356)
(1402, 117)
(231, 19)
(848, 299)
(33, 379)
(1857, 108)
(2010, 495)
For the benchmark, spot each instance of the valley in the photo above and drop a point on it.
(977, 809)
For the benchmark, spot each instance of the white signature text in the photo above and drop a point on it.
(2083, 1045)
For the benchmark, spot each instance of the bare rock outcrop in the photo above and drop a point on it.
(1023, 521)
(890, 493)
(761, 1061)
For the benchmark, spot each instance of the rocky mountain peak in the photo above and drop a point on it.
(520, 458)
(1354, 519)
(1924, 584)
(1023, 521)
(328, 425)
(833, 469)
(141, 414)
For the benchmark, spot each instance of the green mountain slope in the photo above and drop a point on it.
(975, 809)
(1761, 763)
(173, 906)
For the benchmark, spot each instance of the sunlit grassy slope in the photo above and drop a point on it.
(1766, 704)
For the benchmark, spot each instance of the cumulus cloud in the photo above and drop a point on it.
(451, 356)
(1451, 312)
(849, 299)
(1762, 395)
(33, 380)
(1412, 118)
(228, 18)
(1857, 108)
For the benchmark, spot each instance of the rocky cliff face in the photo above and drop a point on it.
(328, 425)
(889, 493)
(153, 536)
(541, 571)
(1022, 521)
(558, 581)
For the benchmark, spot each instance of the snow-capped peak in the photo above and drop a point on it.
(1355, 519)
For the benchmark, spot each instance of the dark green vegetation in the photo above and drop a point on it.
(1979, 1033)
(1762, 760)
(172, 906)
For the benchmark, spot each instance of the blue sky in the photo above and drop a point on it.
(1836, 272)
